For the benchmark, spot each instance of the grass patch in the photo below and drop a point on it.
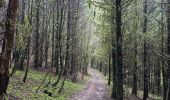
(26, 91)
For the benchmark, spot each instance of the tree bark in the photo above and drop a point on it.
(114, 65)
(168, 50)
(36, 59)
(7, 45)
(67, 59)
(109, 80)
(134, 89)
(119, 50)
(163, 62)
(146, 70)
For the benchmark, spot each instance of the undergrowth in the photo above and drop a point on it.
(27, 91)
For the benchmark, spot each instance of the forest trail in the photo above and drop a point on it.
(94, 90)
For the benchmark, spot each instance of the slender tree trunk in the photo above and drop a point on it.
(67, 59)
(53, 38)
(146, 70)
(36, 59)
(158, 77)
(168, 51)
(101, 66)
(134, 89)
(109, 80)
(162, 61)
(57, 42)
(114, 65)
(28, 59)
(41, 49)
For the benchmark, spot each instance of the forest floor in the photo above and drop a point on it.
(17, 90)
(95, 89)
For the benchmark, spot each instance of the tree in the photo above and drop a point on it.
(168, 51)
(134, 89)
(162, 51)
(7, 45)
(36, 61)
(119, 50)
(146, 80)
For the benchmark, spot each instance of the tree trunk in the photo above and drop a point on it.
(146, 79)
(114, 65)
(168, 51)
(105, 71)
(57, 41)
(67, 59)
(162, 61)
(134, 89)
(158, 77)
(36, 59)
(7, 45)
(28, 59)
(119, 50)
(53, 38)
(101, 65)
(109, 80)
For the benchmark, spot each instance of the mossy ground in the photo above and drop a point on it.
(27, 91)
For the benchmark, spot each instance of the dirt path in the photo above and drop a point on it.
(95, 89)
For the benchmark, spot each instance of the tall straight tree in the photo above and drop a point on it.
(119, 50)
(168, 51)
(146, 80)
(7, 45)
(114, 79)
(67, 60)
(134, 89)
(109, 79)
(37, 24)
(163, 62)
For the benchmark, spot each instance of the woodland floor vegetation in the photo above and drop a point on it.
(19, 90)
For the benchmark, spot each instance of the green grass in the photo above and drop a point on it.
(26, 91)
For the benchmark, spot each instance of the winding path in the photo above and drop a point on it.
(95, 89)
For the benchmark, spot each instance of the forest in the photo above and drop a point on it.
(84, 49)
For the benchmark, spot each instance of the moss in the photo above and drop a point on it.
(26, 91)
